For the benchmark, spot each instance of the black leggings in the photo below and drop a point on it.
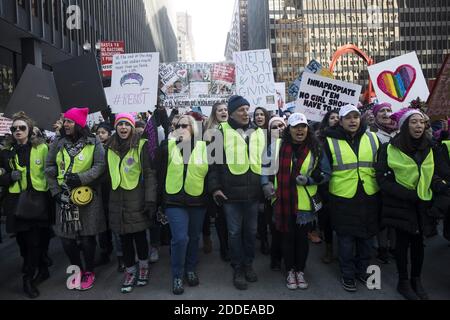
(405, 240)
(325, 224)
(207, 225)
(129, 253)
(295, 246)
(73, 249)
(222, 229)
(33, 246)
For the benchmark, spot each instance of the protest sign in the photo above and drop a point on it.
(399, 81)
(312, 67)
(318, 95)
(94, 118)
(280, 89)
(5, 125)
(107, 50)
(195, 84)
(254, 78)
(134, 82)
(439, 100)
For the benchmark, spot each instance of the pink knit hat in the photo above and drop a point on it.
(376, 108)
(403, 114)
(125, 117)
(77, 115)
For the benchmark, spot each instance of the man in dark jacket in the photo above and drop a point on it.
(354, 199)
(237, 186)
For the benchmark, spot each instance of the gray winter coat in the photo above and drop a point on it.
(128, 212)
(92, 216)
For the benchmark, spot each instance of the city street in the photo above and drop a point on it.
(216, 278)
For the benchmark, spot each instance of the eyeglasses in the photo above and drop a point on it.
(20, 128)
(184, 126)
(280, 126)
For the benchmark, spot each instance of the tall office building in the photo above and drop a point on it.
(297, 31)
(43, 32)
(185, 38)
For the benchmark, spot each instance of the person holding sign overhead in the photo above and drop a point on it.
(354, 200)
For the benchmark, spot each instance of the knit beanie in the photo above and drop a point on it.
(77, 115)
(376, 108)
(403, 114)
(125, 117)
(235, 102)
(274, 119)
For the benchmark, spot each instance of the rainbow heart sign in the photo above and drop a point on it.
(399, 81)
(397, 84)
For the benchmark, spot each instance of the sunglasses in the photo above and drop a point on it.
(280, 126)
(20, 128)
(184, 126)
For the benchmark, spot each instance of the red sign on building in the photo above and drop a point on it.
(108, 50)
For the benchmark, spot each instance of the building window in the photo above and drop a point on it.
(47, 12)
(21, 3)
(56, 15)
(35, 8)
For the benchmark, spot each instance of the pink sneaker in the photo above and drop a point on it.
(87, 280)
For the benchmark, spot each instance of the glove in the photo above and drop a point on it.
(16, 176)
(73, 180)
(268, 190)
(301, 180)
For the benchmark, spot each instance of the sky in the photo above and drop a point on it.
(211, 21)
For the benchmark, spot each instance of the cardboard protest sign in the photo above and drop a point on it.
(79, 83)
(439, 100)
(254, 78)
(5, 125)
(312, 67)
(107, 51)
(134, 82)
(37, 96)
(318, 95)
(399, 81)
(195, 84)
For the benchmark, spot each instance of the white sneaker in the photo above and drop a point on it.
(154, 255)
(291, 281)
(301, 282)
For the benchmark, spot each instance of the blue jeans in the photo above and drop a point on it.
(242, 218)
(186, 224)
(353, 265)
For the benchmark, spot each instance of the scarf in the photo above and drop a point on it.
(387, 128)
(151, 132)
(286, 194)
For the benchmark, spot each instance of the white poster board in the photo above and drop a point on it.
(318, 95)
(94, 118)
(398, 81)
(5, 126)
(134, 82)
(254, 78)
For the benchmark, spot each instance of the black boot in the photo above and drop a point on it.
(404, 288)
(416, 285)
(265, 247)
(239, 279)
(28, 287)
(42, 275)
(120, 264)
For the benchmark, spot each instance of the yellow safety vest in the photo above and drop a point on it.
(197, 169)
(126, 172)
(303, 200)
(348, 168)
(447, 144)
(81, 163)
(37, 176)
(409, 175)
(239, 159)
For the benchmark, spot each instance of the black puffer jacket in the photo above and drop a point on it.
(402, 208)
(181, 199)
(358, 216)
(245, 187)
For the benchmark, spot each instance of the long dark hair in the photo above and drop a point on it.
(79, 132)
(266, 116)
(121, 146)
(324, 125)
(310, 141)
(408, 144)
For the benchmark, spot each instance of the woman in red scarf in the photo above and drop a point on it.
(302, 166)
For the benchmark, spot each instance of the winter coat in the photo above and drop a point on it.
(14, 224)
(237, 188)
(127, 208)
(92, 217)
(402, 209)
(358, 216)
(181, 199)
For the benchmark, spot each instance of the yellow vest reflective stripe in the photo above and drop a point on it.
(409, 175)
(37, 176)
(303, 199)
(236, 151)
(126, 172)
(348, 169)
(196, 172)
(81, 163)
(447, 144)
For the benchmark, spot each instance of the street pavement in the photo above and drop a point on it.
(216, 278)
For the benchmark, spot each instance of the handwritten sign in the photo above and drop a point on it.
(254, 78)
(5, 125)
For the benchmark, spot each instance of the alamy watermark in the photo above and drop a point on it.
(73, 21)
(374, 17)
